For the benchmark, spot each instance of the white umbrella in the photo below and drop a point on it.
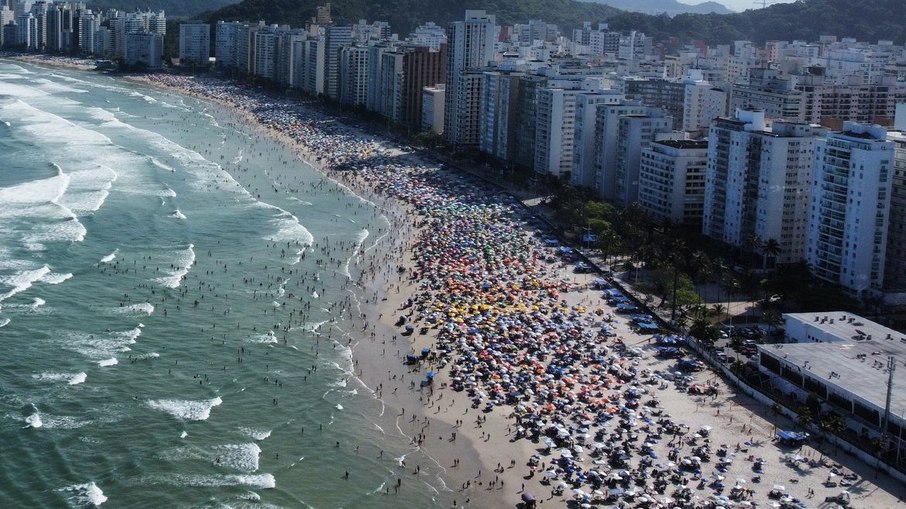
(578, 449)
(566, 453)
(550, 474)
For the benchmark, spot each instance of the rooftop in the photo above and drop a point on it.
(684, 144)
(850, 360)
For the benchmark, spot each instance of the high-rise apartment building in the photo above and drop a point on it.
(895, 261)
(335, 38)
(672, 180)
(850, 207)
(471, 47)
(635, 133)
(757, 185)
(194, 43)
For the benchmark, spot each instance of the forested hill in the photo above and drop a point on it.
(867, 20)
(173, 8)
(405, 15)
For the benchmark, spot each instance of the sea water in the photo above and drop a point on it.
(153, 254)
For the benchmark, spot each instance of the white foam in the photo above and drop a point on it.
(109, 258)
(22, 281)
(102, 346)
(183, 434)
(85, 495)
(188, 410)
(242, 457)
(69, 378)
(268, 338)
(263, 481)
(34, 421)
(289, 229)
(339, 406)
(4, 322)
(256, 433)
(54, 278)
(142, 308)
(37, 303)
(183, 264)
(177, 215)
(106, 363)
(146, 356)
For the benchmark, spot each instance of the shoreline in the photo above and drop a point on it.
(457, 460)
(496, 440)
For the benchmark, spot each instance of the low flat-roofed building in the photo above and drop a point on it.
(843, 359)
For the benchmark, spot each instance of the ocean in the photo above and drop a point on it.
(172, 296)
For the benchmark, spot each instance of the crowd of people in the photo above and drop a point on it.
(523, 339)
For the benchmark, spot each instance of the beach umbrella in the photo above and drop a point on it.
(550, 474)
(528, 497)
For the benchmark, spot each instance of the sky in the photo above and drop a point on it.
(738, 5)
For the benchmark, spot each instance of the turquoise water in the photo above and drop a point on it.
(166, 289)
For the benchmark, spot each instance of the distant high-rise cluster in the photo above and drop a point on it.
(71, 28)
(775, 150)
(791, 151)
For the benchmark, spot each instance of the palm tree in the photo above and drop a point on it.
(718, 309)
(770, 250)
(753, 244)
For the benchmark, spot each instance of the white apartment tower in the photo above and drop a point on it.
(587, 104)
(194, 43)
(851, 194)
(635, 132)
(758, 183)
(471, 46)
(672, 180)
(895, 262)
(555, 115)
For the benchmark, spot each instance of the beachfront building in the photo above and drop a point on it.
(635, 133)
(226, 43)
(194, 43)
(587, 105)
(758, 183)
(264, 63)
(499, 96)
(850, 206)
(672, 180)
(355, 77)
(606, 146)
(89, 23)
(555, 129)
(405, 70)
(522, 151)
(313, 67)
(471, 47)
(335, 38)
(842, 359)
(144, 49)
(895, 261)
(433, 108)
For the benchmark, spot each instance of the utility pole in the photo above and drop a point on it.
(891, 367)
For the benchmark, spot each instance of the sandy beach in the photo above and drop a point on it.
(525, 384)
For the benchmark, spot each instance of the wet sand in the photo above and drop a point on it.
(431, 415)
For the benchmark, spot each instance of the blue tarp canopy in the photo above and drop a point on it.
(792, 436)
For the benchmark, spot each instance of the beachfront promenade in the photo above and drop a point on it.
(562, 399)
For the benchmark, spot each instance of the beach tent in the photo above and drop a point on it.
(792, 437)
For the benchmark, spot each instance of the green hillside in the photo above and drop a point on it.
(868, 20)
(404, 15)
(173, 8)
